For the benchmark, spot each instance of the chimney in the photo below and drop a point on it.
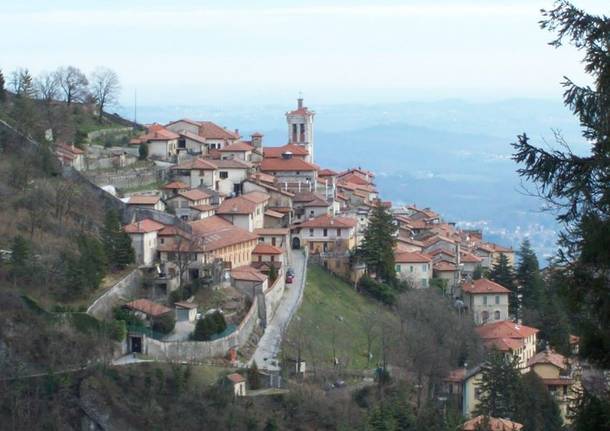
(287, 155)
(300, 103)
(237, 132)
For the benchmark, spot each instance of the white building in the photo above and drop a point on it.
(300, 128)
(143, 236)
(414, 267)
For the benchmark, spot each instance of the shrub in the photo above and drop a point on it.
(220, 321)
(208, 326)
(143, 151)
(164, 324)
(380, 291)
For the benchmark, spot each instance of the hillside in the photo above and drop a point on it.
(335, 318)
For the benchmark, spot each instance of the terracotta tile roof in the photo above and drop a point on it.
(148, 307)
(279, 165)
(218, 233)
(256, 197)
(175, 185)
(144, 226)
(68, 150)
(272, 231)
(210, 130)
(482, 286)
(195, 195)
(317, 202)
(499, 248)
(262, 177)
(196, 164)
(306, 196)
(329, 222)
(203, 207)
(231, 164)
(274, 214)
(352, 178)
(548, 357)
(437, 238)
(442, 251)
(411, 257)
(173, 231)
(263, 248)
(503, 344)
(184, 120)
(444, 266)
(456, 375)
(484, 247)
(562, 381)
(236, 378)
(238, 205)
(342, 197)
(303, 110)
(501, 333)
(327, 173)
(143, 200)
(157, 132)
(495, 424)
(192, 136)
(276, 152)
(247, 273)
(237, 147)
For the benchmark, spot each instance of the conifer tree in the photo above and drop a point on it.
(2, 87)
(503, 274)
(20, 255)
(536, 408)
(528, 277)
(143, 151)
(499, 385)
(377, 247)
(117, 244)
(578, 186)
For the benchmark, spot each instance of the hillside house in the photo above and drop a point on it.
(172, 188)
(231, 173)
(326, 234)
(146, 201)
(414, 267)
(69, 155)
(495, 424)
(202, 136)
(448, 271)
(237, 151)
(511, 338)
(486, 300)
(185, 311)
(246, 211)
(196, 172)
(277, 237)
(143, 236)
(238, 384)
(162, 143)
(268, 253)
(296, 173)
(183, 202)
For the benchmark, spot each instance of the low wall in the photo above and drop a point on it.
(125, 288)
(196, 351)
(110, 131)
(274, 294)
(129, 178)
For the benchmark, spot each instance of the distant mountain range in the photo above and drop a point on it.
(451, 155)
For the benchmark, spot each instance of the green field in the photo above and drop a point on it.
(333, 314)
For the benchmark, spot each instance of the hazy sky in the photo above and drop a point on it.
(334, 51)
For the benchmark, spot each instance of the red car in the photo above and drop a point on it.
(289, 278)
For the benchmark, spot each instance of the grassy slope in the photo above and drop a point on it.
(331, 305)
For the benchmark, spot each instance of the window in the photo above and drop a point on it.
(477, 393)
(298, 173)
(310, 232)
(497, 299)
(325, 232)
(224, 175)
(311, 213)
(424, 282)
(411, 268)
(424, 267)
(485, 300)
(484, 316)
(397, 268)
(338, 232)
(497, 315)
(162, 240)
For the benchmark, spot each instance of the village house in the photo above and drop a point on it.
(511, 338)
(326, 234)
(238, 384)
(555, 372)
(185, 311)
(143, 236)
(246, 211)
(147, 310)
(414, 267)
(196, 172)
(231, 173)
(448, 271)
(69, 155)
(280, 201)
(469, 263)
(202, 136)
(309, 205)
(268, 253)
(298, 152)
(237, 150)
(294, 173)
(486, 300)
(172, 188)
(278, 237)
(495, 424)
(162, 143)
(183, 202)
(146, 201)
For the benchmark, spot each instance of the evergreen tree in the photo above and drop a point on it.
(528, 277)
(117, 244)
(377, 247)
(2, 87)
(271, 425)
(20, 257)
(143, 151)
(579, 186)
(499, 385)
(503, 274)
(536, 408)
(592, 412)
(84, 271)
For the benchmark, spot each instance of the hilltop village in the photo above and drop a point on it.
(223, 238)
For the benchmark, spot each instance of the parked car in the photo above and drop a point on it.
(289, 278)
(290, 272)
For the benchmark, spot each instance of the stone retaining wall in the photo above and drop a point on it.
(124, 289)
(196, 351)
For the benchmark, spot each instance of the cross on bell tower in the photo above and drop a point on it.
(300, 127)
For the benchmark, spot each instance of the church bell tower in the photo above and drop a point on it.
(300, 128)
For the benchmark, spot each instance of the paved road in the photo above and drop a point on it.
(270, 343)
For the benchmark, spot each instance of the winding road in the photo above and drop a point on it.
(270, 343)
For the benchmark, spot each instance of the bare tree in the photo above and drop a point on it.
(47, 88)
(105, 88)
(21, 83)
(73, 83)
(370, 329)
